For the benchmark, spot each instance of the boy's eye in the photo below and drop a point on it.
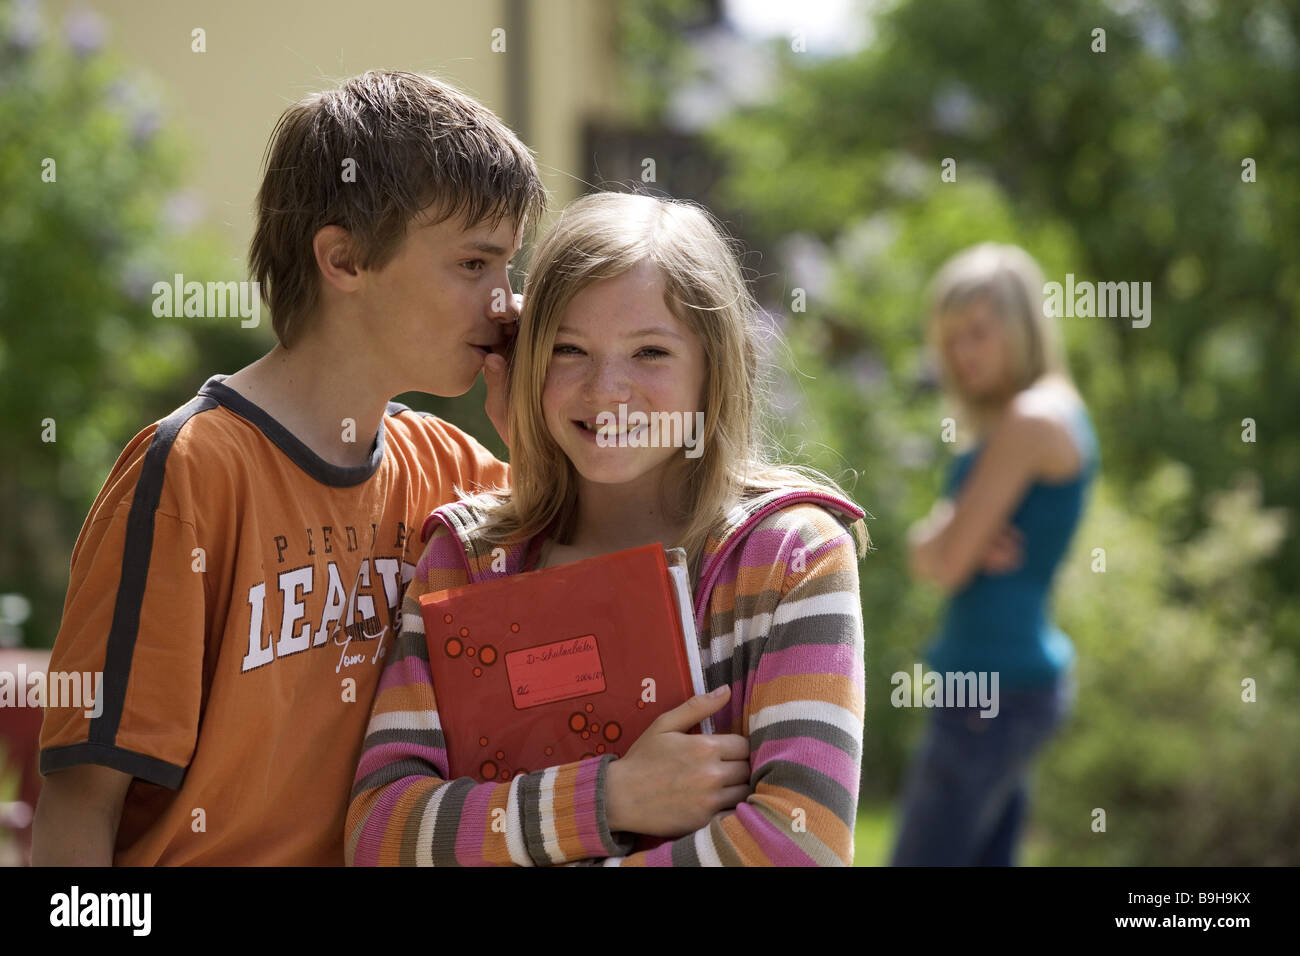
(474, 265)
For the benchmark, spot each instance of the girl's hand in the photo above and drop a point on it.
(672, 783)
(1006, 553)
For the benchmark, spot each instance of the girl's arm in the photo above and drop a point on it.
(804, 707)
(405, 811)
(949, 546)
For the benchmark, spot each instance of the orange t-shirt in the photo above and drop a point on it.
(239, 595)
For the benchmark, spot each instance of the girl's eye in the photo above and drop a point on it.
(649, 351)
(474, 265)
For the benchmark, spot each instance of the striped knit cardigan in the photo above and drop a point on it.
(779, 619)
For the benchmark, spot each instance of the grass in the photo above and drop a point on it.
(873, 838)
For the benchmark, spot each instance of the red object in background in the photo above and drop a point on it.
(20, 730)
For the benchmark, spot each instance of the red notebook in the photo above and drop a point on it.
(547, 667)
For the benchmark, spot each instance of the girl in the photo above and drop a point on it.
(638, 301)
(1019, 495)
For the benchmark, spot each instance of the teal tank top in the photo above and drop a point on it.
(1003, 622)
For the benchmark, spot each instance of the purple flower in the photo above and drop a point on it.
(24, 27)
(867, 372)
(137, 281)
(954, 109)
(85, 31)
(182, 211)
(144, 125)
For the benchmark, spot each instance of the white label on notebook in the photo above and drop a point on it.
(556, 671)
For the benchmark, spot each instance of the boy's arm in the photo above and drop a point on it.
(806, 709)
(404, 808)
(132, 636)
(77, 816)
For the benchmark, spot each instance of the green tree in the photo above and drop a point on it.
(1136, 154)
(1122, 165)
(93, 213)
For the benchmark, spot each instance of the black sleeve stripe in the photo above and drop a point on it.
(136, 553)
(128, 761)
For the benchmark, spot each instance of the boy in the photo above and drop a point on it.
(238, 578)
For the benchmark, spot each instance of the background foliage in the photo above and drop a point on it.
(79, 343)
(1115, 166)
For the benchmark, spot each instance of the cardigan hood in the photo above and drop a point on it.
(463, 519)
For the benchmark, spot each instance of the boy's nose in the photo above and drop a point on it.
(505, 305)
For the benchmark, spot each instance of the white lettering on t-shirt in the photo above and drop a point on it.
(290, 582)
(365, 604)
(388, 569)
(335, 599)
(346, 614)
(259, 652)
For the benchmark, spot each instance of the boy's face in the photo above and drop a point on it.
(443, 302)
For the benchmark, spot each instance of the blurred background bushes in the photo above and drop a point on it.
(1117, 166)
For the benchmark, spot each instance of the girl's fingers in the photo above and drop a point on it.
(731, 747)
(731, 796)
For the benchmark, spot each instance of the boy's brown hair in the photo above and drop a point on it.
(415, 143)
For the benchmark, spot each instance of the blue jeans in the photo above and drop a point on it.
(966, 794)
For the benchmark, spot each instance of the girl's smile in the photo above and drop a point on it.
(621, 360)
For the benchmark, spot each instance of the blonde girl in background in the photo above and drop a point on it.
(993, 542)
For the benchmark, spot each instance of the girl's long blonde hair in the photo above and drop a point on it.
(1010, 280)
(602, 236)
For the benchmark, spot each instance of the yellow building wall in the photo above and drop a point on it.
(263, 55)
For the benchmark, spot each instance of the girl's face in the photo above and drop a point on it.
(619, 344)
(977, 351)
